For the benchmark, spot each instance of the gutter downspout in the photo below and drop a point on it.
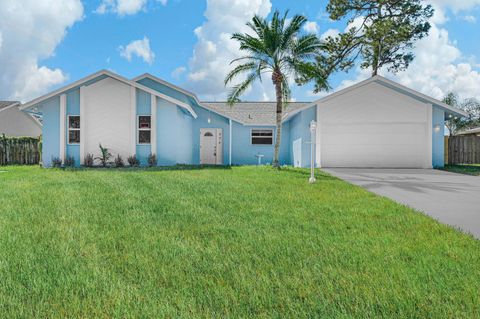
(230, 142)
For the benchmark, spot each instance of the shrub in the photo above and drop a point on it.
(56, 162)
(69, 161)
(119, 161)
(152, 160)
(105, 155)
(133, 161)
(88, 161)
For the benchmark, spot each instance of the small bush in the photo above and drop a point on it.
(88, 161)
(119, 161)
(152, 160)
(133, 161)
(105, 155)
(56, 162)
(69, 161)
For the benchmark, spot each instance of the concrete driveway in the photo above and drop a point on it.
(452, 199)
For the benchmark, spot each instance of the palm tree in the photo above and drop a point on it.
(277, 48)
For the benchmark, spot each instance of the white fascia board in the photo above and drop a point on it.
(421, 96)
(387, 82)
(192, 95)
(62, 89)
(165, 97)
(114, 76)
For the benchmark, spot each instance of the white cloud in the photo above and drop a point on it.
(330, 33)
(31, 30)
(210, 61)
(439, 67)
(470, 19)
(177, 73)
(124, 7)
(139, 48)
(311, 27)
(457, 5)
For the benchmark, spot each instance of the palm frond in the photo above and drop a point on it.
(239, 69)
(239, 89)
(292, 30)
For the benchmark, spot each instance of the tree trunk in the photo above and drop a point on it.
(377, 49)
(277, 79)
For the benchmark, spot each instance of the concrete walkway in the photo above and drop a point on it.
(452, 199)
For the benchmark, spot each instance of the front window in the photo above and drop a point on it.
(262, 137)
(144, 129)
(73, 129)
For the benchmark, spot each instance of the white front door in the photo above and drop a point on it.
(211, 146)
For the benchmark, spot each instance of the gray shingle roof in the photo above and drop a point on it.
(4, 104)
(252, 113)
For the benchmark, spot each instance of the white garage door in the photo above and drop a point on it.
(374, 127)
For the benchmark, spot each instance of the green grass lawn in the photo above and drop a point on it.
(240, 242)
(470, 169)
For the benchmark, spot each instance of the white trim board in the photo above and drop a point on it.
(393, 85)
(116, 77)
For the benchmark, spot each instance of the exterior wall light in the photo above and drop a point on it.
(437, 128)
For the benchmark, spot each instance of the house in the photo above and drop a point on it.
(375, 123)
(470, 132)
(14, 122)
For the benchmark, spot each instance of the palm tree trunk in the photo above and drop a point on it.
(277, 81)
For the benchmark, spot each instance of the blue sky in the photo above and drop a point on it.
(45, 44)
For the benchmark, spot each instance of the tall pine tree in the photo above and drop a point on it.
(381, 32)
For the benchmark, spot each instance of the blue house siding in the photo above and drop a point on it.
(300, 137)
(174, 135)
(438, 132)
(216, 121)
(164, 89)
(144, 102)
(244, 152)
(51, 130)
(73, 108)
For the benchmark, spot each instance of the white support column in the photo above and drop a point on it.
(230, 142)
(153, 113)
(133, 119)
(63, 113)
(82, 125)
(429, 160)
(318, 140)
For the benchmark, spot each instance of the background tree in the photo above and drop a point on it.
(381, 32)
(277, 48)
(471, 106)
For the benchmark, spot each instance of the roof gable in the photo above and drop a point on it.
(397, 87)
(101, 75)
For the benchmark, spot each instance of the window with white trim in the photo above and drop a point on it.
(262, 137)
(144, 129)
(73, 129)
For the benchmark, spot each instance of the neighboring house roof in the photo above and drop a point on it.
(470, 131)
(6, 108)
(398, 87)
(114, 76)
(254, 113)
(5, 104)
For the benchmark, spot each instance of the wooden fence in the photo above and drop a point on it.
(19, 150)
(462, 150)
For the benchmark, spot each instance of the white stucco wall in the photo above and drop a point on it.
(374, 126)
(107, 117)
(14, 122)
